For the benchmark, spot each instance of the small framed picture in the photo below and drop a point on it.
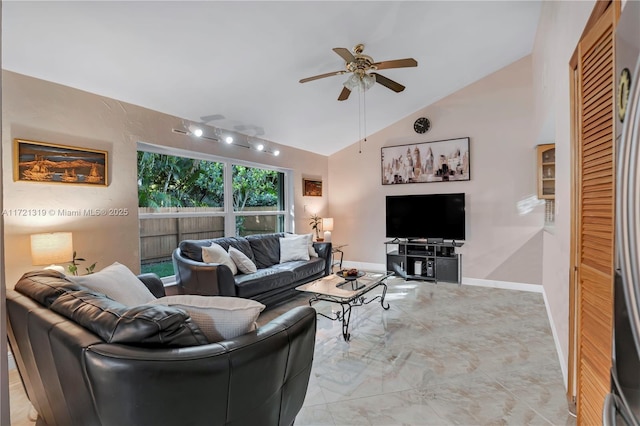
(52, 163)
(311, 188)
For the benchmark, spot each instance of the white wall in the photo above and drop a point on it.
(495, 113)
(505, 115)
(42, 111)
(559, 30)
(4, 374)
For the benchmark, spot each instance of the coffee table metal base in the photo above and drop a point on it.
(347, 305)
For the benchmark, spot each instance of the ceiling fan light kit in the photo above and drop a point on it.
(361, 82)
(362, 68)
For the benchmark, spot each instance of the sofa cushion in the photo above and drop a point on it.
(262, 281)
(117, 282)
(145, 325)
(219, 317)
(301, 269)
(312, 250)
(294, 248)
(192, 249)
(216, 254)
(45, 286)
(239, 243)
(266, 249)
(244, 264)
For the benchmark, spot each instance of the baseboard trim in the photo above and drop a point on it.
(507, 285)
(11, 361)
(556, 340)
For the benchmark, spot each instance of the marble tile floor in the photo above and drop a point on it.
(442, 354)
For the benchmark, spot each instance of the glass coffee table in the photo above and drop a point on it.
(348, 292)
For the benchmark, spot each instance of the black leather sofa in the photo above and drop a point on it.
(273, 283)
(73, 377)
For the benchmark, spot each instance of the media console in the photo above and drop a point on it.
(424, 260)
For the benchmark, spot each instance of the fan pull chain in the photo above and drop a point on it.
(359, 121)
(364, 115)
(362, 119)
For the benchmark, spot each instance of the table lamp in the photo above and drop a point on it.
(327, 226)
(52, 248)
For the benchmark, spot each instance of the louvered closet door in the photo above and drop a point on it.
(596, 217)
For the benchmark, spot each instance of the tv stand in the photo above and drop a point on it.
(424, 260)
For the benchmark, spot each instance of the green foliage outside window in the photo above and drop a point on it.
(170, 181)
(253, 187)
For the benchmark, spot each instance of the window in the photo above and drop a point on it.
(182, 195)
(258, 200)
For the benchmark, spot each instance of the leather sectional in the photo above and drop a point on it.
(273, 283)
(171, 376)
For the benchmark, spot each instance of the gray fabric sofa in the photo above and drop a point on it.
(149, 364)
(273, 283)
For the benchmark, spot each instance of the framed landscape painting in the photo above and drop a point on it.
(52, 163)
(311, 188)
(440, 161)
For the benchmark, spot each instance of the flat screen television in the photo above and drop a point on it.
(426, 216)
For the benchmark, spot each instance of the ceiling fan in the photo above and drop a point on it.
(363, 70)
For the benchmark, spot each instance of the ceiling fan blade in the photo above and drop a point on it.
(316, 77)
(344, 95)
(344, 54)
(397, 63)
(208, 118)
(386, 82)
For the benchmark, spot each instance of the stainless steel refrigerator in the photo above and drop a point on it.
(622, 405)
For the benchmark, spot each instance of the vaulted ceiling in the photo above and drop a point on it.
(235, 65)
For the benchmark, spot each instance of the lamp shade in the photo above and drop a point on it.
(327, 225)
(55, 247)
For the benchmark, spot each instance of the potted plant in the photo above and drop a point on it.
(315, 225)
(73, 267)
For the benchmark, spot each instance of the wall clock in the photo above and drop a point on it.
(623, 93)
(422, 125)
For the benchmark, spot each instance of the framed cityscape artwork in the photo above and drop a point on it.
(52, 163)
(439, 161)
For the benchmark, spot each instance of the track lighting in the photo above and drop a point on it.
(195, 131)
(244, 142)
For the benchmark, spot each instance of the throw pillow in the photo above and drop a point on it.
(312, 250)
(216, 254)
(294, 248)
(244, 264)
(118, 283)
(143, 325)
(218, 317)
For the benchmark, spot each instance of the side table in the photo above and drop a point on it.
(334, 250)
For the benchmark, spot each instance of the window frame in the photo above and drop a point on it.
(227, 212)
